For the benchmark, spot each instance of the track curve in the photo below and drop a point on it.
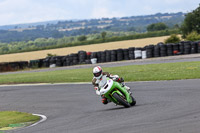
(162, 106)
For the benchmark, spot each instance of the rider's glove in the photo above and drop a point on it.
(115, 77)
(97, 90)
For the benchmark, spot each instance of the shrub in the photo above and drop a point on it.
(51, 55)
(193, 36)
(173, 39)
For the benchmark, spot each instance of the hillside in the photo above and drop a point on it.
(58, 29)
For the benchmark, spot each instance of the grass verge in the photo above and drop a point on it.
(150, 72)
(14, 119)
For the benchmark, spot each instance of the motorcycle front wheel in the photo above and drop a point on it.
(121, 100)
(133, 101)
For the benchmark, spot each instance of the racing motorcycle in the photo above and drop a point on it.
(116, 93)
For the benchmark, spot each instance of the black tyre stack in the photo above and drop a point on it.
(41, 62)
(194, 48)
(103, 56)
(52, 60)
(88, 58)
(69, 60)
(98, 57)
(59, 61)
(126, 54)
(82, 56)
(181, 47)
(74, 58)
(176, 50)
(131, 53)
(88, 55)
(169, 49)
(187, 47)
(33, 64)
(150, 51)
(24, 64)
(93, 55)
(163, 50)
(47, 62)
(14, 65)
(156, 51)
(120, 55)
(88, 61)
(198, 46)
(113, 55)
(64, 60)
(108, 56)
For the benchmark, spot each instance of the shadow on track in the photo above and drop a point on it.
(117, 108)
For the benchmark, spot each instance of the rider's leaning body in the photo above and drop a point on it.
(98, 74)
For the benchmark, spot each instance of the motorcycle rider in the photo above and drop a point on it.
(98, 74)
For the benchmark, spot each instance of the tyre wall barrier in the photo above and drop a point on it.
(132, 53)
(13, 66)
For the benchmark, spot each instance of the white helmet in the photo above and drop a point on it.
(98, 73)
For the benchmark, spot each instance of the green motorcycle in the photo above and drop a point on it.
(114, 91)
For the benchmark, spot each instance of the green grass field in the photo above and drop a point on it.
(151, 72)
(13, 119)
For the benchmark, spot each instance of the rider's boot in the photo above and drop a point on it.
(105, 100)
(127, 88)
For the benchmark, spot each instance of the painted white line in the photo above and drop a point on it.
(43, 84)
(43, 118)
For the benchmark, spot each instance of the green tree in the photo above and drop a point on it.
(103, 34)
(191, 22)
(156, 27)
(176, 26)
(82, 38)
(5, 49)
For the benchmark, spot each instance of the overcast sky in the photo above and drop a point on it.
(26, 11)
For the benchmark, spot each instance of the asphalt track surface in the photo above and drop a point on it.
(162, 107)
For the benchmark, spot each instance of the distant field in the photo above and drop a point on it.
(89, 48)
